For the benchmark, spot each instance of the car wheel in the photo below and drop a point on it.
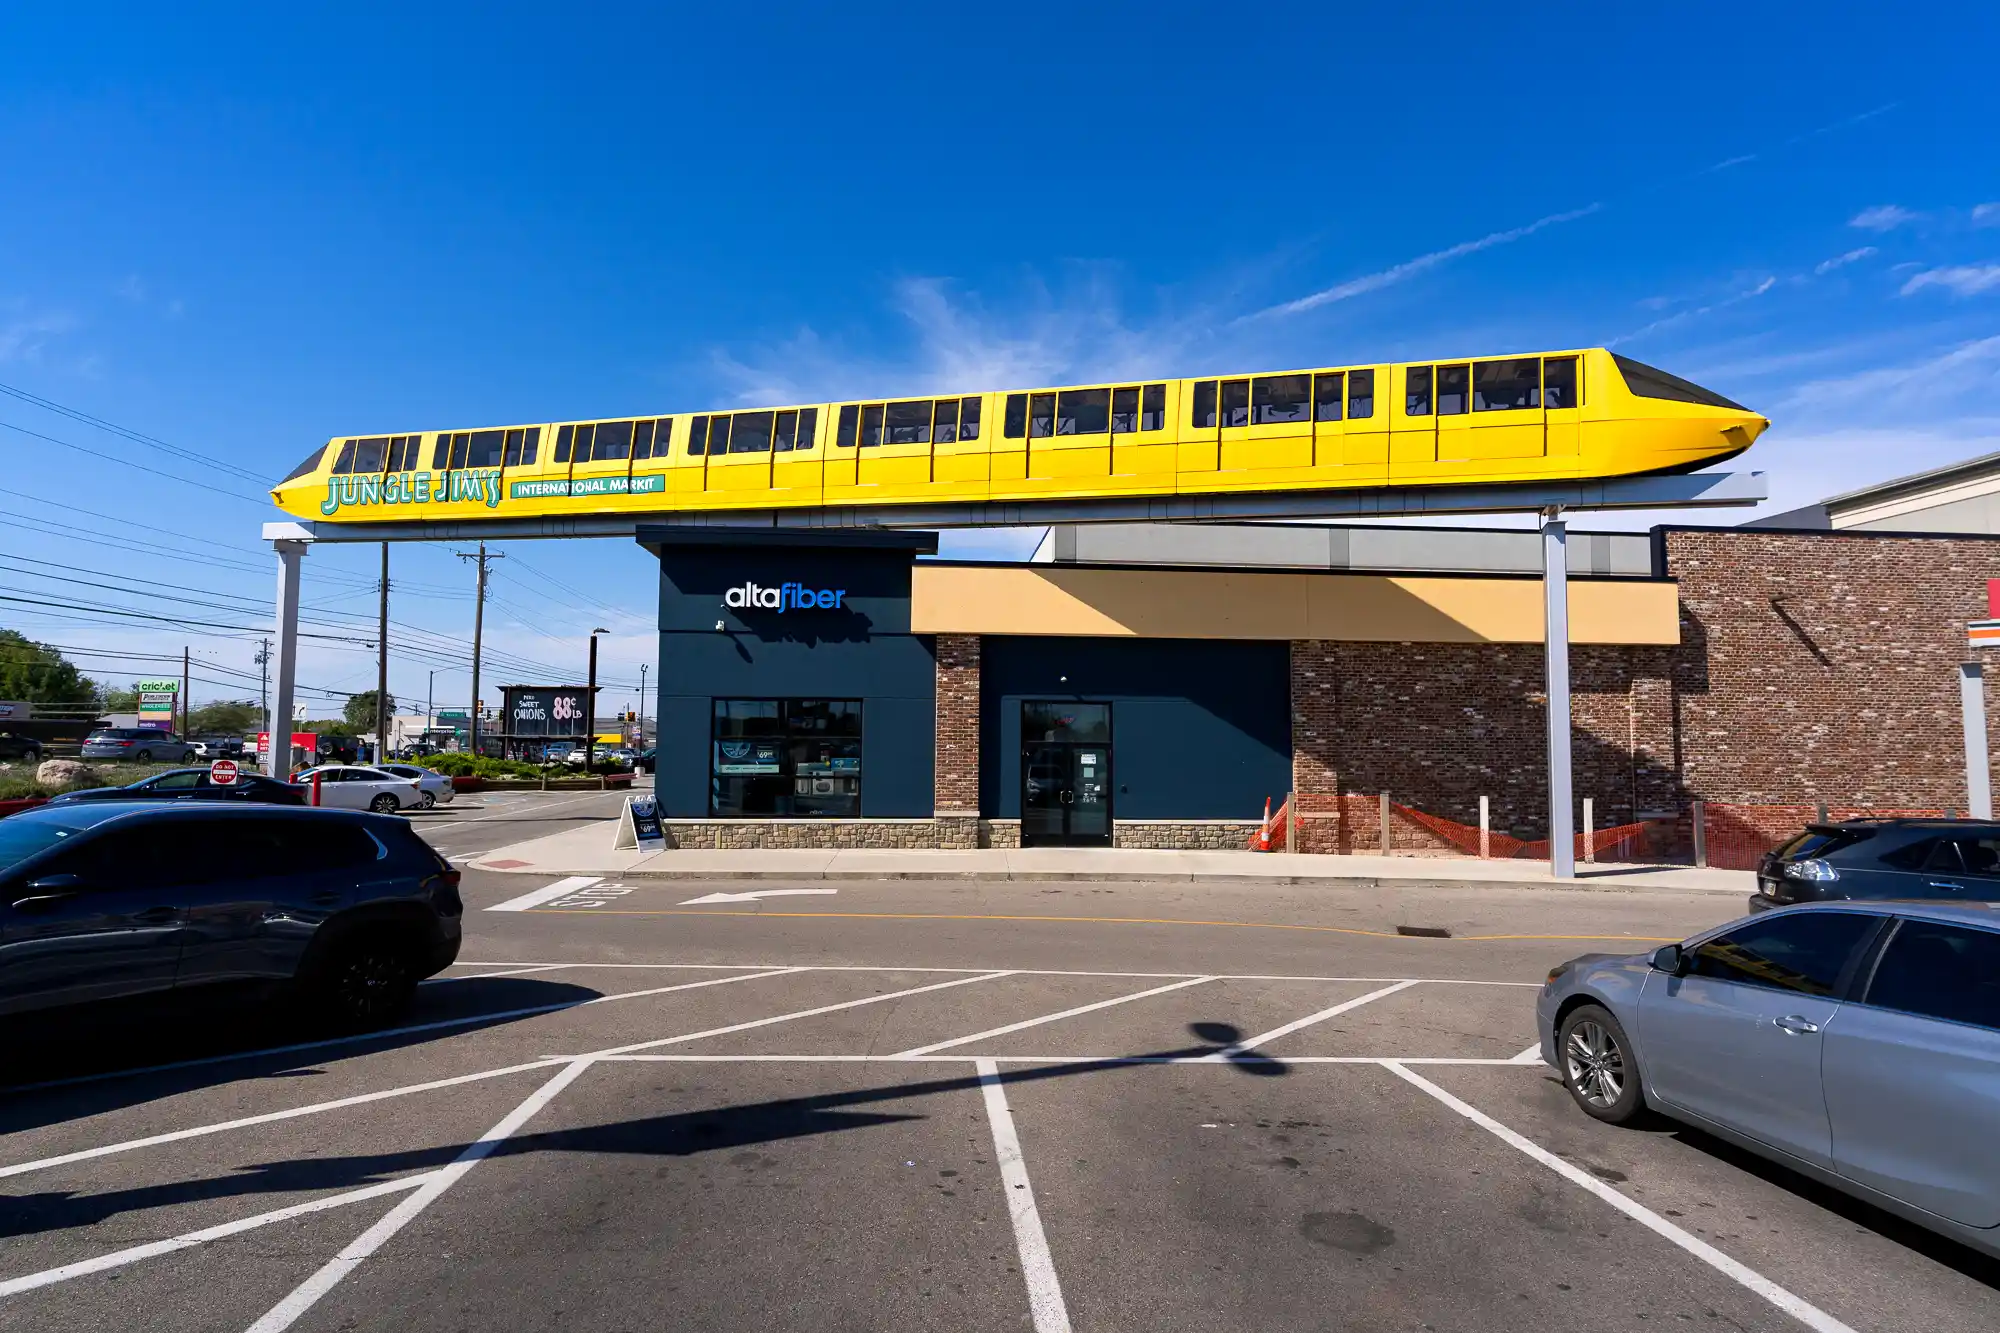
(430, 800)
(1597, 1065)
(144, 756)
(367, 982)
(385, 804)
(32, 756)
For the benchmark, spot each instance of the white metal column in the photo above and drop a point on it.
(1555, 644)
(278, 757)
(1978, 781)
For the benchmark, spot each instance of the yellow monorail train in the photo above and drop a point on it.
(1552, 416)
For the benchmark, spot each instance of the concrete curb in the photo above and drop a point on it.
(1593, 884)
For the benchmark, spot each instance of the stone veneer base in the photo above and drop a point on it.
(945, 830)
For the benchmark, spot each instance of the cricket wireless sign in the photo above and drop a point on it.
(785, 597)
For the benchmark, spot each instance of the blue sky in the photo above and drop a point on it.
(241, 232)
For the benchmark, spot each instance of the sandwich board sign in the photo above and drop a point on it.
(639, 827)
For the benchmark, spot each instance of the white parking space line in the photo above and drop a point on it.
(1025, 972)
(801, 1013)
(120, 1258)
(1298, 1024)
(1051, 1018)
(286, 1312)
(1798, 1308)
(462, 1020)
(509, 972)
(1038, 1267)
(1531, 1056)
(546, 894)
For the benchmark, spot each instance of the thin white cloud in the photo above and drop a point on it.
(1959, 279)
(1986, 215)
(25, 333)
(1827, 266)
(1966, 374)
(1883, 217)
(1683, 316)
(1728, 162)
(1372, 282)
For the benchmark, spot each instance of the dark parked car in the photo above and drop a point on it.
(139, 743)
(17, 747)
(1950, 860)
(107, 899)
(1854, 1042)
(194, 784)
(645, 759)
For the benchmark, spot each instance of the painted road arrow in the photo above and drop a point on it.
(752, 896)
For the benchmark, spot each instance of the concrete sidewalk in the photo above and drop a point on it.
(588, 851)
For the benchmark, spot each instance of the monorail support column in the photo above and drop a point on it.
(278, 755)
(1555, 645)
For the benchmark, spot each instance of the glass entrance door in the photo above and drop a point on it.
(1065, 774)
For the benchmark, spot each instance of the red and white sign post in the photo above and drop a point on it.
(222, 772)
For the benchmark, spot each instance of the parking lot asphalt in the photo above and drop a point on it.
(927, 1106)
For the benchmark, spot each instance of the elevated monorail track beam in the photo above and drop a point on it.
(1691, 490)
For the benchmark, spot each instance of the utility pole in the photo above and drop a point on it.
(184, 692)
(264, 690)
(382, 666)
(478, 625)
(639, 741)
(590, 708)
(430, 706)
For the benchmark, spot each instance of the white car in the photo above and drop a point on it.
(351, 787)
(434, 787)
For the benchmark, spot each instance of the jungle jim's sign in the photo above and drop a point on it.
(473, 486)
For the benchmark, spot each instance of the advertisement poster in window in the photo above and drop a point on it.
(737, 758)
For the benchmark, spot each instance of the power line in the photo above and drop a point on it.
(139, 437)
(126, 462)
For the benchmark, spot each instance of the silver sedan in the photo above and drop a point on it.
(1856, 1043)
(432, 787)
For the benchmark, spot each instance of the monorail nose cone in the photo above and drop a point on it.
(1743, 431)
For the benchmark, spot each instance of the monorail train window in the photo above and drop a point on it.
(908, 423)
(786, 432)
(1235, 403)
(968, 418)
(368, 454)
(571, 442)
(309, 466)
(1278, 399)
(1083, 411)
(1326, 397)
(1453, 390)
(649, 438)
(403, 452)
(1153, 409)
(808, 427)
(718, 435)
(697, 437)
(1360, 394)
(1041, 415)
(565, 436)
(751, 433)
(1506, 386)
(944, 421)
(1560, 386)
(1202, 416)
(1124, 411)
(850, 417)
(344, 464)
(871, 425)
(1651, 382)
(1016, 423)
(521, 445)
(1417, 391)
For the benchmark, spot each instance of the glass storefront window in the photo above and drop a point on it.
(1065, 722)
(786, 759)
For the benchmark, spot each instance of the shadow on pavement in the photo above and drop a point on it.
(245, 1034)
(682, 1134)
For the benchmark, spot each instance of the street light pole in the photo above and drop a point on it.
(590, 709)
(640, 741)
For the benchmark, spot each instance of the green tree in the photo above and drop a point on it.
(112, 699)
(33, 672)
(360, 710)
(231, 717)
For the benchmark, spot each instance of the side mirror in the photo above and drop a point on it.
(1670, 960)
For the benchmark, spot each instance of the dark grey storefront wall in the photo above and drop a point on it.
(1200, 728)
(864, 650)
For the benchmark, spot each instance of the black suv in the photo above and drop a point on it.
(107, 899)
(13, 746)
(1945, 859)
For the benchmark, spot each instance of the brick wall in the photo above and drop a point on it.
(1823, 667)
(958, 724)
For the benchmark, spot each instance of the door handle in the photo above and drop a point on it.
(153, 916)
(1793, 1023)
(1947, 884)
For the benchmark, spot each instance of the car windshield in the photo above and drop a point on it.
(22, 838)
